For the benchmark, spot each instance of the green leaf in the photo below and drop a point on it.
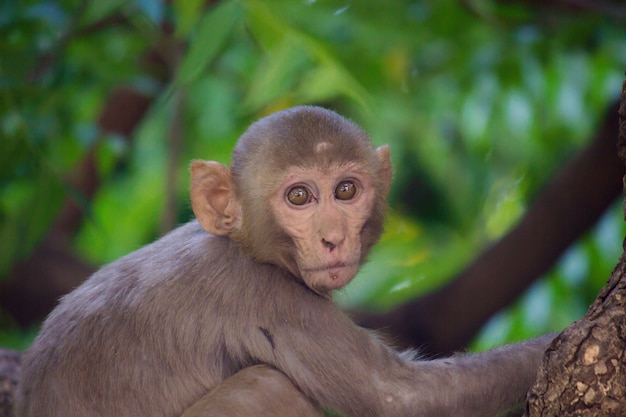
(96, 10)
(187, 12)
(214, 30)
(287, 46)
(277, 75)
(27, 209)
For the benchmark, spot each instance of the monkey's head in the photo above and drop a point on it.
(306, 192)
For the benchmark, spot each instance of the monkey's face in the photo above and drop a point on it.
(306, 192)
(323, 211)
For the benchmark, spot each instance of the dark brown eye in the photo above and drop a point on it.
(298, 195)
(345, 190)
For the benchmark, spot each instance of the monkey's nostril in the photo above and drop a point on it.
(329, 245)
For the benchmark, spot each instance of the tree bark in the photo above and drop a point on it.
(584, 370)
(10, 364)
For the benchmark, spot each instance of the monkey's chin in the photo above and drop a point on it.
(331, 278)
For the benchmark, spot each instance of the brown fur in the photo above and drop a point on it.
(255, 391)
(155, 331)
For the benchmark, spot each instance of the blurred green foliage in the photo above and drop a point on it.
(481, 103)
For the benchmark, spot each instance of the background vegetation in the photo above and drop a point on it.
(481, 102)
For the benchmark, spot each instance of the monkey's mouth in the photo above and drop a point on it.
(330, 277)
(333, 267)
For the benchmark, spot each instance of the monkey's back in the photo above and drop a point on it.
(144, 336)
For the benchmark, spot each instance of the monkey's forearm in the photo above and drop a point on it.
(482, 384)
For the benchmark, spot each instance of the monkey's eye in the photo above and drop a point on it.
(345, 190)
(298, 195)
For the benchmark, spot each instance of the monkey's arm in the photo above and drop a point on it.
(347, 370)
(482, 384)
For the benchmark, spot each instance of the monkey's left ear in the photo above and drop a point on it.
(213, 197)
(384, 156)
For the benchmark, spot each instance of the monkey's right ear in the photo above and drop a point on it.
(213, 197)
(384, 156)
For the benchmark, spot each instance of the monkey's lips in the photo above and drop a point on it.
(333, 276)
(333, 267)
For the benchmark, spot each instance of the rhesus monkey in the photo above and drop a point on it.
(250, 283)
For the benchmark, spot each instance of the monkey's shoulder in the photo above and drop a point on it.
(187, 251)
(187, 263)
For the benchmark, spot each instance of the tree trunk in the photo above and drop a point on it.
(584, 371)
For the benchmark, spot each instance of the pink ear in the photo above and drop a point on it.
(384, 156)
(213, 197)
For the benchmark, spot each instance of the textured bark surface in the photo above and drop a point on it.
(584, 371)
(9, 374)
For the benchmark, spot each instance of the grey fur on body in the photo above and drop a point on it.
(259, 390)
(132, 341)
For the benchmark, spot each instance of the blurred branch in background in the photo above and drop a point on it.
(447, 319)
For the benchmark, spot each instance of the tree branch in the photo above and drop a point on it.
(446, 320)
